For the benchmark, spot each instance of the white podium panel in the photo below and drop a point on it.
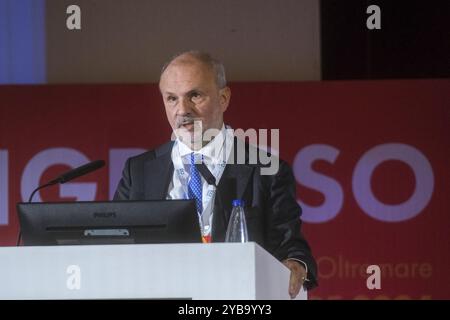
(158, 271)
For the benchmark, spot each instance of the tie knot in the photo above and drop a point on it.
(196, 158)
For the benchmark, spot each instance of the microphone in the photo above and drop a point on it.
(78, 172)
(65, 177)
(72, 174)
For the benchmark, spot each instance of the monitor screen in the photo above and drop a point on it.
(112, 222)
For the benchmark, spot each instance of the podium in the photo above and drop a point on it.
(145, 271)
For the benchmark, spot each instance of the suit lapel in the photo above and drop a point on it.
(158, 173)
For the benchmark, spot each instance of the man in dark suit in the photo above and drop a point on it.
(195, 96)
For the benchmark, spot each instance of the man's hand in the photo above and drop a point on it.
(298, 276)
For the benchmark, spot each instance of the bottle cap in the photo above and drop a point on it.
(238, 203)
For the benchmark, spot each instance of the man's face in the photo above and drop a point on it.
(190, 93)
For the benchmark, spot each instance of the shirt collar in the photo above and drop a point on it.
(210, 151)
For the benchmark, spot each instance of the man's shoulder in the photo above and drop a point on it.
(255, 155)
(267, 163)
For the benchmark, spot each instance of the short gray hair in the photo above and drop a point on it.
(216, 66)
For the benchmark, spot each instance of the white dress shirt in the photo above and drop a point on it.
(214, 153)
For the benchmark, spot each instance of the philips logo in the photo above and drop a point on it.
(104, 214)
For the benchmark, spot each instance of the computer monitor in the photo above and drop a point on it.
(113, 222)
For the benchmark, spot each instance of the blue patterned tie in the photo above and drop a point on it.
(195, 186)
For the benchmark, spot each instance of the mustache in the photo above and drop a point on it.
(186, 120)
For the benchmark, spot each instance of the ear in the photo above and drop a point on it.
(225, 96)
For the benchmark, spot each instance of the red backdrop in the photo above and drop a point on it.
(332, 133)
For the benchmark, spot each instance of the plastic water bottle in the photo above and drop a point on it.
(237, 227)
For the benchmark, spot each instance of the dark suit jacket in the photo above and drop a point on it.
(272, 212)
